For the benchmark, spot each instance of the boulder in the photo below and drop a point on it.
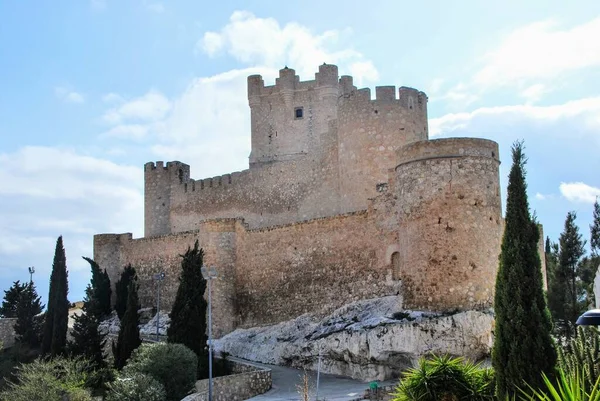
(366, 340)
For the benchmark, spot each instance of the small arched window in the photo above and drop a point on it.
(411, 102)
(180, 174)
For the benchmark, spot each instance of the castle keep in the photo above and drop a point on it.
(345, 198)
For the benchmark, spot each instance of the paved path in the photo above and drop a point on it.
(331, 387)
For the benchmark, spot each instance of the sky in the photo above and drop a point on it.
(90, 90)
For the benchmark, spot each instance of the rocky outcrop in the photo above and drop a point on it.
(366, 340)
(147, 326)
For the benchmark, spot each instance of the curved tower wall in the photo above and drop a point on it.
(450, 227)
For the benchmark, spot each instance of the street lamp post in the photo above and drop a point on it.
(31, 271)
(159, 278)
(209, 273)
(318, 374)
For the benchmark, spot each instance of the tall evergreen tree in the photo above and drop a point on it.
(101, 292)
(11, 300)
(595, 230)
(129, 334)
(188, 316)
(568, 289)
(523, 348)
(57, 316)
(127, 276)
(87, 339)
(28, 326)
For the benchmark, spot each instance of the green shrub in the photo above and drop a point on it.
(58, 379)
(173, 365)
(581, 355)
(444, 378)
(569, 386)
(11, 357)
(137, 387)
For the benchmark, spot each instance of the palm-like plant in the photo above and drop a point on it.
(446, 378)
(569, 386)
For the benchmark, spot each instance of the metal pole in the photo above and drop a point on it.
(158, 310)
(209, 340)
(318, 374)
(31, 271)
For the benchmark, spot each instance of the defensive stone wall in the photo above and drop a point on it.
(449, 221)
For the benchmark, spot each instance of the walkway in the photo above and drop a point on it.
(331, 387)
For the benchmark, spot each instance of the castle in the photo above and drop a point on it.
(345, 199)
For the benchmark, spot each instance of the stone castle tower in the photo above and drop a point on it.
(345, 198)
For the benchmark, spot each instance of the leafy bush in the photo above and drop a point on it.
(447, 379)
(136, 387)
(581, 355)
(11, 357)
(58, 379)
(173, 365)
(569, 386)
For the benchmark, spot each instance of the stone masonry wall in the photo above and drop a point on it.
(370, 132)
(450, 224)
(7, 332)
(316, 266)
(236, 387)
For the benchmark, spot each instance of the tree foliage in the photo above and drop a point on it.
(571, 280)
(595, 230)
(127, 276)
(29, 326)
(57, 316)
(188, 316)
(129, 333)
(523, 348)
(101, 292)
(581, 354)
(87, 340)
(11, 300)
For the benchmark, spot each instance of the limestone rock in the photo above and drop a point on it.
(366, 340)
(149, 329)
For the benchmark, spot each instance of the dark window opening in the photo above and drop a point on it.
(180, 174)
(299, 112)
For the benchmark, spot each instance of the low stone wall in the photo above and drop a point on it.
(236, 387)
(7, 331)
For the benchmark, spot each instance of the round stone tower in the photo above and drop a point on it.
(450, 226)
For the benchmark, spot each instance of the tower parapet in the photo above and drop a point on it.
(159, 181)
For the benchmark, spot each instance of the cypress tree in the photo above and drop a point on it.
(129, 334)
(87, 340)
(28, 327)
(127, 276)
(523, 348)
(57, 316)
(11, 300)
(101, 292)
(595, 230)
(188, 316)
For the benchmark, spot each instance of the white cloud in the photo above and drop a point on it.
(534, 93)
(587, 110)
(541, 50)
(263, 42)
(152, 106)
(68, 95)
(112, 98)
(130, 131)
(47, 192)
(579, 192)
(540, 196)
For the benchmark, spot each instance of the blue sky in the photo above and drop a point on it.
(90, 90)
